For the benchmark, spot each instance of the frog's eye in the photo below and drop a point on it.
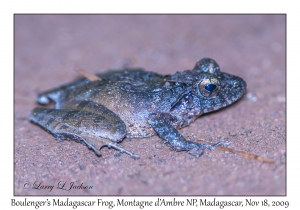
(208, 87)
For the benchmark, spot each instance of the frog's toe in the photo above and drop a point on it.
(116, 147)
(222, 144)
(97, 152)
(196, 153)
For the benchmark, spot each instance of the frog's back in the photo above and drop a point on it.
(138, 80)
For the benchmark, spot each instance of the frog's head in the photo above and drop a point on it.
(213, 89)
(208, 89)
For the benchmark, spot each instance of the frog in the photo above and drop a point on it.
(135, 103)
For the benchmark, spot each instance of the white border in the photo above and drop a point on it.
(8, 8)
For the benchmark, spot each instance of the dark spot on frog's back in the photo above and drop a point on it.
(137, 103)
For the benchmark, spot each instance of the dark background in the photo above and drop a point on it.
(48, 48)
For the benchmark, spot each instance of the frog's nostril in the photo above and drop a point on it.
(236, 84)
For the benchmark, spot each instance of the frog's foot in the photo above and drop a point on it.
(196, 153)
(90, 146)
(161, 123)
(79, 139)
(193, 148)
(114, 146)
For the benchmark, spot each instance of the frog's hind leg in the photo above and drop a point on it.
(93, 130)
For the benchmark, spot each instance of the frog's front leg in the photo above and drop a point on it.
(161, 123)
(91, 124)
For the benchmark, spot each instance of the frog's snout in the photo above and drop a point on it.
(240, 85)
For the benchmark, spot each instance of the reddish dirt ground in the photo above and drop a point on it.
(49, 47)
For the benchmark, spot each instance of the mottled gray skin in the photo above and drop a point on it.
(136, 103)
